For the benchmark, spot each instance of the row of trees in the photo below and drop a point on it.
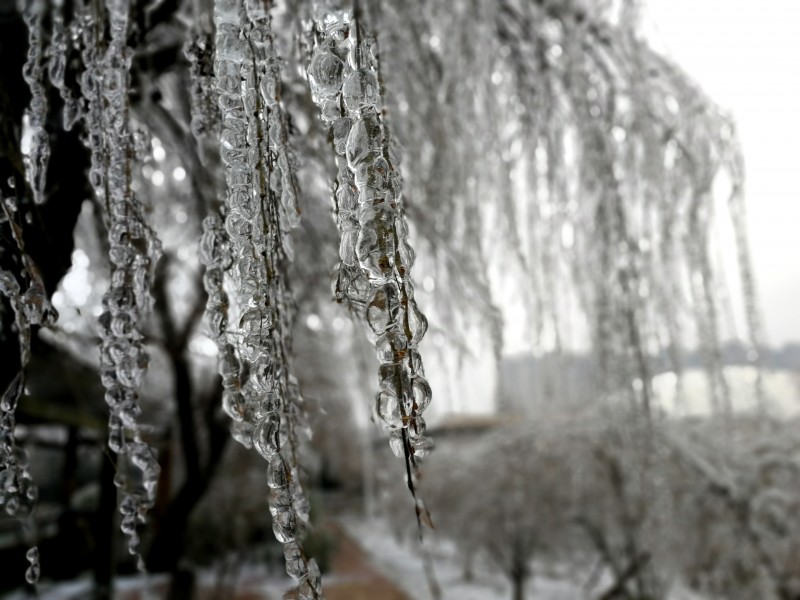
(637, 508)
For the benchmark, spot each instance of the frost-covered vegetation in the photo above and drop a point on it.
(167, 172)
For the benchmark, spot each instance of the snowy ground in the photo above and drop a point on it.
(252, 581)
(366, 575)
(401, 563)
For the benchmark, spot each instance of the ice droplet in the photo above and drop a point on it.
(296, 565)
(276, 473)
(325, 73)
(266, 437)
(360, 90)
(34, 569)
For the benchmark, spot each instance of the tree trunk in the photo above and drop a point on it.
(183, 585)
(169, 541)
(518, 579)
(105, 530)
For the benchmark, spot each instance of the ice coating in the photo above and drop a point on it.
(199, 50)
(36, 113)
(260, 394)
(57, 53)
(343, 75)
(133, 251)
(31, 306)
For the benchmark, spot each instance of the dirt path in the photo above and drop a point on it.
(352, 577)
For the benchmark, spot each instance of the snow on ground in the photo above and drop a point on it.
(399, 562)
(253, 578)
(402, 563)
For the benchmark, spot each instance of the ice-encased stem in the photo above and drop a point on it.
(57, 54)
(18, 493)
(261, 207)
(133, 250)
(343, 75)
(36, 113)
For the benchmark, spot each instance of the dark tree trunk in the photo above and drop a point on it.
(169, 541)
(105, 530)
(518, 579)
(183, 585)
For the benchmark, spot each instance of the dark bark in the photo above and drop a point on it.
(170, 538)
(169, 542)
(518, 579)
(105, 530)
(619, 587)
(520, 548)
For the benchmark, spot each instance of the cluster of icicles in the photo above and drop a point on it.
(245, 247)
(133, 248)
(18, 492)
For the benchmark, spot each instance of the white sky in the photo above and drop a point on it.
(746, 55)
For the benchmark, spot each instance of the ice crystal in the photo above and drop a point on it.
(260, 210)
(36, 114)
(34, 569)
(18, 493)
(343, 75)
(133, 250)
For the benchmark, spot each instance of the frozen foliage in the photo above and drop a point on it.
(132, 251)
(374, 248)
(261, 207)
(602, 163)
(638, 508)
(554, 156)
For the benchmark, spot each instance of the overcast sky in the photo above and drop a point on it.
(746, 55)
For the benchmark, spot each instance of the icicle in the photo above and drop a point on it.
(374, 233)
(34, 569)
(36, 113)
(133, 249)
(261, 208)
(736, 207)
(92, 94)
(18, 493)
(57, 54)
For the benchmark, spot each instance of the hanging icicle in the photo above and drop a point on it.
(261, 395)
(133, 250)
(343, 74)
(18, 493)
(57, 56)
(36, 113)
